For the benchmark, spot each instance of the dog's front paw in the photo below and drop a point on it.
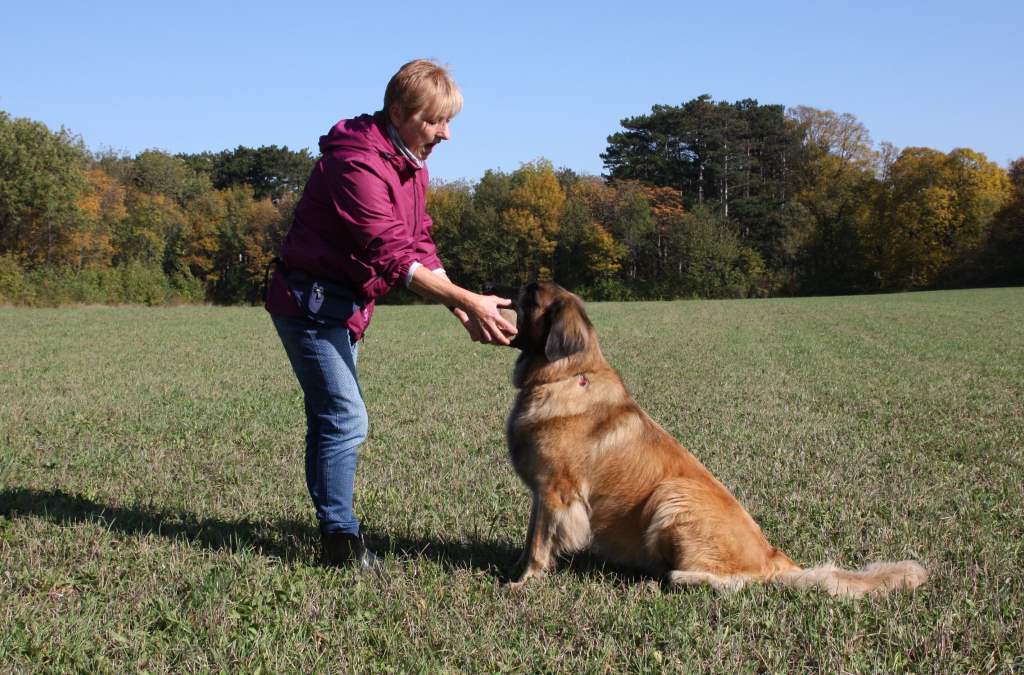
(519, 582)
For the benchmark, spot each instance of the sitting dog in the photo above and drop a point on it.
(604, 474)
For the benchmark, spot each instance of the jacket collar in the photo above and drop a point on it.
(400, 145)
(387, 148)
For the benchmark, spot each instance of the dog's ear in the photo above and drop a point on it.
(567, 330)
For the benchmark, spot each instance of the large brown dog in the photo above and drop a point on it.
(604, 474)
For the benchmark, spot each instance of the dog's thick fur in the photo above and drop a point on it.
(604, 474)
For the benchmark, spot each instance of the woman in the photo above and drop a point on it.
(360, 229)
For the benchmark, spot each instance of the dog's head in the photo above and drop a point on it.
(551, 321)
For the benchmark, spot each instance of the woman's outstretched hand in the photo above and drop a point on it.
(478, 313)
(480, 317)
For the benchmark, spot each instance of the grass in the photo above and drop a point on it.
(153, 514)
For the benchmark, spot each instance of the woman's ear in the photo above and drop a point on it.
(395, 114)
(567, 330)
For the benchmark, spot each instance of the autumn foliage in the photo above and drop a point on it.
(709, 199)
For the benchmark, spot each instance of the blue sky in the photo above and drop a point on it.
(541, 79)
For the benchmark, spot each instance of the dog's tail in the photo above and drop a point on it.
(877, 578)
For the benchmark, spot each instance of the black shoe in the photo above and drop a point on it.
(342, 549)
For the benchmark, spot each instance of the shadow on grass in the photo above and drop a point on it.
(289, 540)
(499, 559)
(292, 541)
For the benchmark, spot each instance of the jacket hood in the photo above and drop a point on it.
(362, 135)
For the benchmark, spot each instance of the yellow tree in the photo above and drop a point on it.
(600, 254)
(982, 188)
(152, 221)
(229, 237)
(259, 241)
(536, 189)
(102, 207)
(622, 208)
(532, 219)
(200, 236)
(588, 255)
(531, 245)
(597, 197)
(939, 208)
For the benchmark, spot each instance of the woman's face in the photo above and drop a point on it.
(421, 131)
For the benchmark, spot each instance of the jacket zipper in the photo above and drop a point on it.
(416, 220)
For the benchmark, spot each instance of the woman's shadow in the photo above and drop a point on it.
(291, 541)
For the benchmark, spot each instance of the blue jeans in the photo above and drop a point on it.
(324, 361)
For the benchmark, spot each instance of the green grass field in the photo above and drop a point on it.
(153, 513)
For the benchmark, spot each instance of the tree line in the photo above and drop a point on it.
(704, 199)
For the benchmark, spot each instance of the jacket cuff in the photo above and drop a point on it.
(415, 266)
(412, 270)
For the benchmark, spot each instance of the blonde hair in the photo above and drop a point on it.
(423, 85)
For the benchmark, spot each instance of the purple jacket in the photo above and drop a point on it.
(362, 220)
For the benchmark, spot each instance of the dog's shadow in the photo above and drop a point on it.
(499, 558)
(291, 541)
